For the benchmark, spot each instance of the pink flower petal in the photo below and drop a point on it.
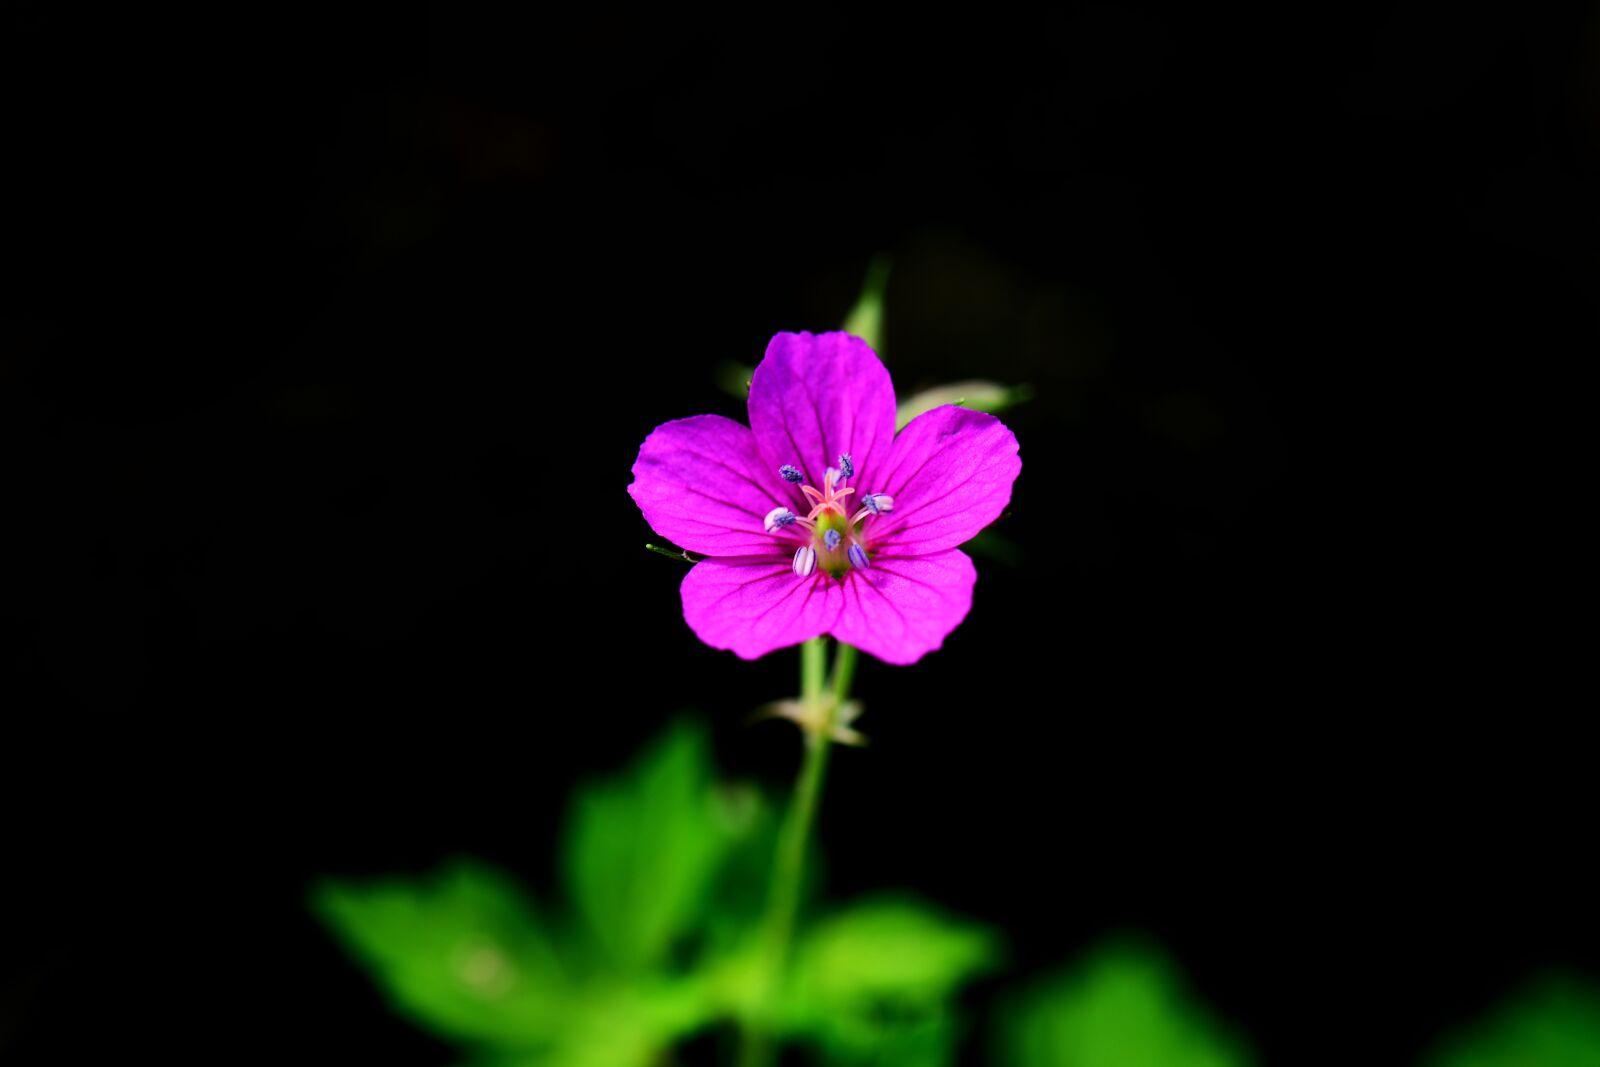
(700, 484)
(758, 605)
(814, 397)
(950, 476)
(901, 608)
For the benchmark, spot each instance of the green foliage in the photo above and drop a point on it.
(866, 318)
(987, 544)
(665, 872)
(875, 982)
(1554, 1023)
(462, 953)
(1124, 1005)
(612, 983)
(641, 852)
(733, 377)
(977, 395)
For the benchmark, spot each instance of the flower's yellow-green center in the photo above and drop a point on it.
(835, 561)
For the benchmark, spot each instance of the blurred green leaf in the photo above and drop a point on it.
(641, 851)
(977, 395)
(1125, 1005)
(891, 947)
(605, 1027)
(460, 953)
(733, 378)
(866, 318)
(1553, 1023)
(875, 982)
(613, 1025)
(667, 871)
(986, 544)
(739, 894)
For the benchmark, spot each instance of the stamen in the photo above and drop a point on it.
(832, 539)
(805, 561)
(858, 557)
(877, 503)
(847, 467)
(791, 474)
(778, 518)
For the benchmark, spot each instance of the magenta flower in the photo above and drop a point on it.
(869, 557)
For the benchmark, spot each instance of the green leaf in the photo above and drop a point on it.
(635, 967)
(733, 378)
(460, 953)
(1125, 1005)
(875, 983)
(614, 1025)
(739, 895)
(641, 852)
(977, 395)
(1553, 1023)
(866, 318)
(987, 544)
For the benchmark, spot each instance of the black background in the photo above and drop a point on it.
(331, 340)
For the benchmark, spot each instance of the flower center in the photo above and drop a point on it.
(828, 537)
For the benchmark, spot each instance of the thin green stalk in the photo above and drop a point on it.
(844, 672)
(813, 669)
(788, 874)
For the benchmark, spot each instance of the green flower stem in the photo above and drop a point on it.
(789, 864)
(844, 672)
(813, 669)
